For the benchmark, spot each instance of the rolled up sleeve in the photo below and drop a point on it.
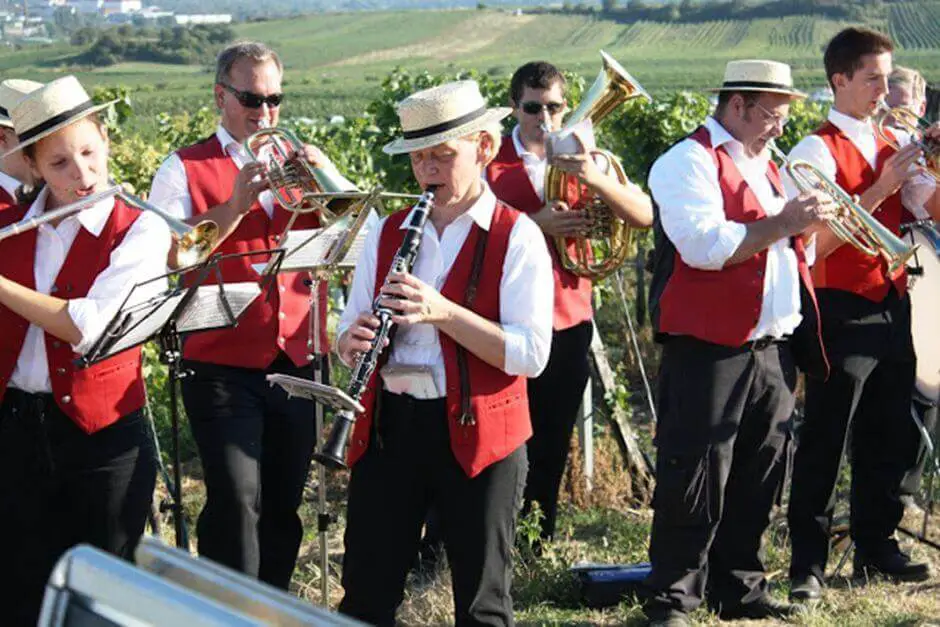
(139, 257)
(526, 298)
(360, 296)
(684, 185)
(170, 189)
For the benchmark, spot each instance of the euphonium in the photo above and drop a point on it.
(915, 125)
(606, 245)
(296, 185)
(853, 224)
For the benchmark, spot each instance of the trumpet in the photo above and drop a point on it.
(195, 243)
(853, 224)
(914, 124)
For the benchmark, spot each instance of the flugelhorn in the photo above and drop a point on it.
(853, 224)
(194, 243)
(606, 245)
(914, 124)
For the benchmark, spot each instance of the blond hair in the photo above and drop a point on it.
(910, 78)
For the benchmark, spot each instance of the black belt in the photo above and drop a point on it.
(764, 342)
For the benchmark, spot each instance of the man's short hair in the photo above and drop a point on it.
(724, 97)
(254, 50)
(912, 79)
(535, 75)
(845, 51)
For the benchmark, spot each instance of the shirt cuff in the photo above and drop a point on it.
(519, 360)
(84, 315)
(726, 238)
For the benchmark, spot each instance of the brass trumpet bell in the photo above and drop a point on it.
(194, 243)
(606, 246)
(915, 125)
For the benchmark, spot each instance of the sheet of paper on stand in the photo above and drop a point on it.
(311, 390)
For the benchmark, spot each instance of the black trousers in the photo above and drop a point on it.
(554, 399)
(60, 487)
(868, 394)
(408, 467)
(724, 420)
(255, 445)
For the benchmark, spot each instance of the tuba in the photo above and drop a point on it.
(854, 225)
(907, 120)
(606, 244)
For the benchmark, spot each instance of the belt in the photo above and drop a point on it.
(764, 342)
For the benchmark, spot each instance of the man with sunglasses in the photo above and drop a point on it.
(255, 444)
(517, 177)
(731, 304)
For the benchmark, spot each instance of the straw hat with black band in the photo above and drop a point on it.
(50, 108)
(760, 76)
(11, 92)
(439, 114)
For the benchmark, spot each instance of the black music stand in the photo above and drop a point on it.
(319, 252)
(165, 317)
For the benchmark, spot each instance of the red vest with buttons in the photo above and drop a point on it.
(509, 181)
(498, 401)
(279, 319)
(6, 200)
(93, 397)
(847, 268)
(724, 306)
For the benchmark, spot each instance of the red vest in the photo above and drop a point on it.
(278, 320)
(724, 306)
(498, 401)
(847, 268)
(93, 397)
(509, 181)
(6, 201)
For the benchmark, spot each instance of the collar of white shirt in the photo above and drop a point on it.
(720, 136)
(9, 183)
(480, 212)
(228, 142)
(852, 127)
(93, 219)
(520, 148)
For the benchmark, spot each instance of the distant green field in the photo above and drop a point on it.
(335, 63)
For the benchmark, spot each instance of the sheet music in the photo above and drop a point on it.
(316, 248)
(142, 322)
(206, 311)
(348, 262)
(319, 392)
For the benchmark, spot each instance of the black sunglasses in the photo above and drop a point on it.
(534, 108)
(252, 100)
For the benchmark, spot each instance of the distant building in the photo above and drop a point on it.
(823, 94)
(153, 12)
(87, 6)
(213, 18)
(111, 7)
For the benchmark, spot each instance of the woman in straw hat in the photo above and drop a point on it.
(14, 171)
(447, 418)
(76, 462)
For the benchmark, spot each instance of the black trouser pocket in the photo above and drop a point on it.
(683, 487)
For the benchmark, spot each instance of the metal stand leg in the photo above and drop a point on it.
(170, 355)
(320, 363)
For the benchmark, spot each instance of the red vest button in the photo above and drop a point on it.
(66, 399)
(56, 344)
(60, 370)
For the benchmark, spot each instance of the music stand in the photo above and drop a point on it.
(164, 317)
(319, 252)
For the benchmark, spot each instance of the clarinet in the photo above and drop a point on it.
(332, 453)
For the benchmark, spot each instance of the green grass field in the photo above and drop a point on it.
(335, 62)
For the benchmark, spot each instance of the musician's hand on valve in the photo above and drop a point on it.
(897, 168)
(556, 220)
(316, 157)
(249, 183)
(358, 337)
(415, 301)
(809, 209)
(580, 164)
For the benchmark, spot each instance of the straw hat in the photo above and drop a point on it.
(49, 108)
(439, 114)
(759, 75)
(11, 91)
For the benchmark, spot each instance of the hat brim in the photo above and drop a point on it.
(49, 131)
(402, 146)
(793, 93)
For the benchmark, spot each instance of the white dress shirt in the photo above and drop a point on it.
(170, 188)
(914, 193)
(525, 292)
(684, 183)
(533, 164)
(141, 255)
(9, 184)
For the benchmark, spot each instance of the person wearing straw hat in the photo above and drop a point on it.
(475, 321)
(255, 443)
(867, 328)
(732, 305)
(517, 175)
(14, 170)
(76, 458)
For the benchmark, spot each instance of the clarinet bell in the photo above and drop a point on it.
(332, 453)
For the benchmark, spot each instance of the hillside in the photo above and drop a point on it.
(335, 61)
